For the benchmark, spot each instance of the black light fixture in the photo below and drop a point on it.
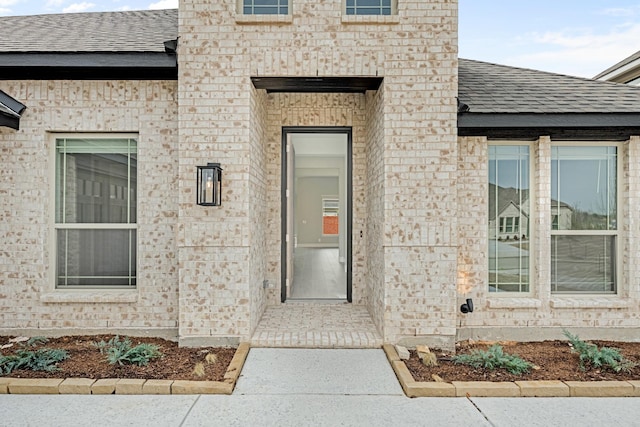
(209, 185)
(467, 307)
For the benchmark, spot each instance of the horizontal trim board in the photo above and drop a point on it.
(555, 120)
(88, 66)
(317, 84)
(577, 134)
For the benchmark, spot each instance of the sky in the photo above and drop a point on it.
(574, 37)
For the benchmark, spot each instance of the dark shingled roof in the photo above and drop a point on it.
(492, 88)
(131, 31)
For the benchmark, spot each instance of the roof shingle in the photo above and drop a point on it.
(492, 88)
(130, 31)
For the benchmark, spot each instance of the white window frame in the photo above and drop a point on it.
(55, 226)
(616, 233)
(533, 234)
(393, 9)
(241, 6)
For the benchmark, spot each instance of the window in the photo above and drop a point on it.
(95, 212)
(330, 215)
(584, 211)
(368, 7)
(510, 225)
(265, 7)
(509, 211)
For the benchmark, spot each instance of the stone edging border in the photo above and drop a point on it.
(128, 386)
(414, 388)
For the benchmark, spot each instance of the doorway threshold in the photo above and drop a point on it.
(303, 324)
(316, 301)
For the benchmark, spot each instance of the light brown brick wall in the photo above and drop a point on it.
(542, 315)
(416, 53)
(28, 300)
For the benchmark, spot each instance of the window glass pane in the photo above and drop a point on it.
(96, 258)
(583, 264)
(96, 181)
(368, 7)
(583, 188)
(265, 7)
(509, 208)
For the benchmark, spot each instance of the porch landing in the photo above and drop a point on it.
(316, 325)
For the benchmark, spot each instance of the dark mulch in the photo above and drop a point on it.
(86, 361)
(554, 360)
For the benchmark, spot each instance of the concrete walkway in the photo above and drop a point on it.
(303, 387)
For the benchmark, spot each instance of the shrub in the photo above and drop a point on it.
(494, 358)
(593, 357)
(121, 352)
(43, 359)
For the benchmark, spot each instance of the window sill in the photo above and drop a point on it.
(514, 303)
(263, 19)
(370, 19)
(589, 302)
(90, 297)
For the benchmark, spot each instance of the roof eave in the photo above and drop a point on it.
(88, 66)
(617, 126)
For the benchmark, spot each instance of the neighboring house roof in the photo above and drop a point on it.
(127, 44)
(501, 98)
(624, 71)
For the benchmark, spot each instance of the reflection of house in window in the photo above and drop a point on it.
(561, 215)
(508, 212)
(510, 224)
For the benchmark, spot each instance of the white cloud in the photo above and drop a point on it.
(4, 10)
(78, 7)
(621, 11)
(124, 8)
(164, 4)
(582, 54)
(5, 3)
(54, 3)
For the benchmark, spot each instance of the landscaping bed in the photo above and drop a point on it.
(550, 360)
(85, 359)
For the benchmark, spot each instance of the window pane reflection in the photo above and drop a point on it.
(96, 257)
(509, 208)
(583, 264)
(583, 188)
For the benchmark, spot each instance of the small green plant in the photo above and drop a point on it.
(593, 357)
(43, 359)
(121, 352)
(36, 341)
(494, 358)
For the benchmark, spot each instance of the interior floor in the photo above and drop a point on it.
(318, 274)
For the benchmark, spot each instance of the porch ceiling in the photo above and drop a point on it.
(317, 84)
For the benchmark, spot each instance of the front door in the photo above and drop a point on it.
(316, 220)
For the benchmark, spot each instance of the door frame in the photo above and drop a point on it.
(286, 130)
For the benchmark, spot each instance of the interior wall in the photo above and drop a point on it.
(309, 194)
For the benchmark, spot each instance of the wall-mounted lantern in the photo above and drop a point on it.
(209, 185)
